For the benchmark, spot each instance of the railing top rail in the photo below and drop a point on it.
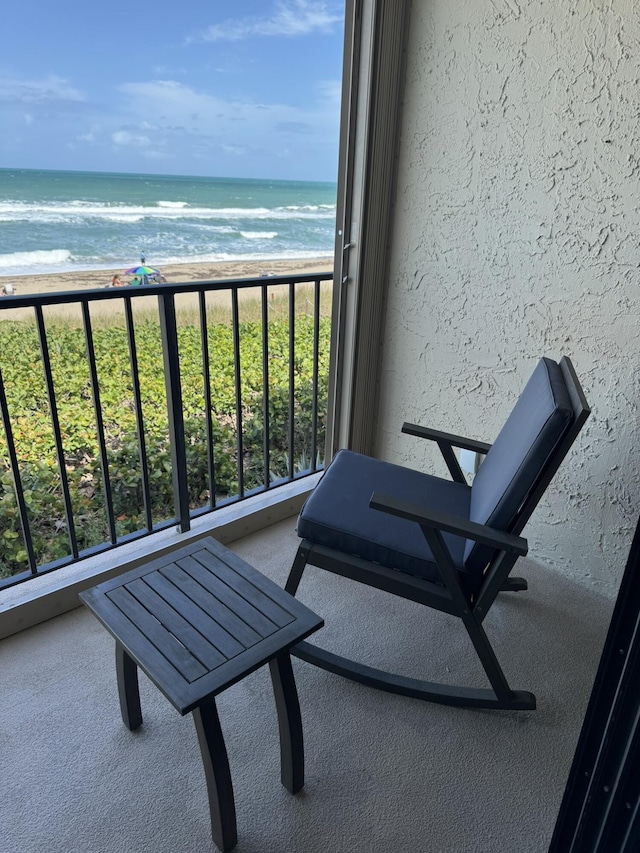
(138, 291)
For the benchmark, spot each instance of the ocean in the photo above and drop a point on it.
(54, 221)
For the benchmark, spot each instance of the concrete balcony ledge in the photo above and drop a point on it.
(56, 592)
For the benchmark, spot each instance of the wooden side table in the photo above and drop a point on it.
(196, 622)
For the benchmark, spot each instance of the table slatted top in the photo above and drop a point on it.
(199, 619)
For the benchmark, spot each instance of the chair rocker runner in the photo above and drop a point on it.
(442, 543)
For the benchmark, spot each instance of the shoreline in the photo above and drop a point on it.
(25, 285)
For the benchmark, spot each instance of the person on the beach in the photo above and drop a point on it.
(142, 258)
(116, 281)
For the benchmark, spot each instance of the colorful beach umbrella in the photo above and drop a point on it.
(142, 270)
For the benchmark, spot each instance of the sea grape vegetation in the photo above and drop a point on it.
(29, 408)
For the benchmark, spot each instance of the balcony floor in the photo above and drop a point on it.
(383, 772)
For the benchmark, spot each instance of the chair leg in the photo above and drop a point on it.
(295, 575)
(514, 585)
(488, 659)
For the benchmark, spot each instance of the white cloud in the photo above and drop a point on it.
(235, 150)
(28, 118)
(203, 124)
(125, 138)
(96, 133)
(176, 106)
(292, 18)
(49, 89)
(169, 90)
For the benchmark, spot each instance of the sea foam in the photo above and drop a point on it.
(19, 260)
(76, 211)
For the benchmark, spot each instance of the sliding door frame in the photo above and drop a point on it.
(373, 80)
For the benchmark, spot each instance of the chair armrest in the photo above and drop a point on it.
(446, 442)
(448, 523)
(446, 437)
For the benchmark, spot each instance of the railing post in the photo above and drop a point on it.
(17, 480)
(173, 386)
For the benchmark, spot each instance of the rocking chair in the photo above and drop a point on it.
(439, 542)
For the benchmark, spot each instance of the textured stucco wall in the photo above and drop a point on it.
(517, 234)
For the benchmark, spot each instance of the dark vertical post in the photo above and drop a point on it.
(238, 383)
(316, 359)
(137, 401)
(171, 359)
(265, 386)
(292, 356)
(17, 480)
(97, 411)
(206, 380)
(55, 423)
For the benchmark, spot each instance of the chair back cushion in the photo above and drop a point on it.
(519, 456)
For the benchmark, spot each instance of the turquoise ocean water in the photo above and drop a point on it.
(61, 221)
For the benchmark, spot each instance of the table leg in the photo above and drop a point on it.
(217, 774)
(289, 723)
(128, 691)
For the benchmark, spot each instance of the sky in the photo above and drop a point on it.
(226, 88)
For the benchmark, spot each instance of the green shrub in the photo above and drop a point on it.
(33, 435)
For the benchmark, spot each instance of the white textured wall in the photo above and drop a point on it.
(517, 234)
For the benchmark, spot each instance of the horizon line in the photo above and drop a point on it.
(163, 175)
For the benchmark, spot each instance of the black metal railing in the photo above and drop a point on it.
(118, 423)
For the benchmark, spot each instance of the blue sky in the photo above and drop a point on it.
(230, 88)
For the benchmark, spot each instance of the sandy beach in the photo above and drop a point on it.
(26, 285)
(29, 284)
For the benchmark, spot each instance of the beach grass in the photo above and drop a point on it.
(111, 314)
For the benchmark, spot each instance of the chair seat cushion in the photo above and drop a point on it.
(337, 513)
